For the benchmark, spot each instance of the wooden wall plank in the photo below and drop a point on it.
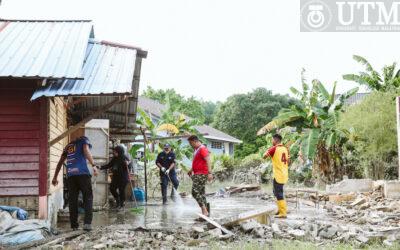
(19, 150)
(19, 134)
(19, 158)
(18, 118)
(19, 175)
(10, 126)
(18, 191)
(19, 183)
(19, 143)
(20, 110)
(57, 125)
(19, 166)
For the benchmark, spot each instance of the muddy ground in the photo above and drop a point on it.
(367, 221)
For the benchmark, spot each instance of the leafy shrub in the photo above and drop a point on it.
(374, 122)
(251, 161)
(223, 163)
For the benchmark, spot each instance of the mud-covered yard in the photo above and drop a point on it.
(365, 221)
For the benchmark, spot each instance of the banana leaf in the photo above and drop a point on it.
(309, 143)
(134, 149)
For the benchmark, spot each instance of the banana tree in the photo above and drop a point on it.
(372, 79)
(171, 122)
(315, 121)
(176, 123)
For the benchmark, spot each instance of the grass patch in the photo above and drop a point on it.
(294, 245)
(137, 210)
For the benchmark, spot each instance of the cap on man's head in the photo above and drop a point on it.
(166, 145)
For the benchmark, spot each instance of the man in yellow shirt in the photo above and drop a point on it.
(280, 165)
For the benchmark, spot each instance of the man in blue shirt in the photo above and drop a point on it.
(166, 163)
(78, 179)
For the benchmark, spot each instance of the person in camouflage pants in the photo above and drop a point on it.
(200, 173)
(199, 188)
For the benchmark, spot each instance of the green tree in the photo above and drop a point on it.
(389, 79)
(316, 122)
(242, 115)
(162, 96)
(191, 106)
(209, 110)
(374, 122)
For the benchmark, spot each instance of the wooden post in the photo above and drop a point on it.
(145, 161)
(398, 131)
(43, 158)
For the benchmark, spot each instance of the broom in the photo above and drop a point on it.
(132, 189)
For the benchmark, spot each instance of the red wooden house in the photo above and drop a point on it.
(55, 77)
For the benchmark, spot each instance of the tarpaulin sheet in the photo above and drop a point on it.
(13, 231)
(20, 213)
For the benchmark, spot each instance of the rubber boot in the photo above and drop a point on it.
(208, 209)
(282, 209)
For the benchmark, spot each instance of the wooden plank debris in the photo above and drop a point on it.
(244, 188)
(215, 224)
(261, 215)
(51, 240)
(339, 198)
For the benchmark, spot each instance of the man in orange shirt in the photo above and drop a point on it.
(280, 165)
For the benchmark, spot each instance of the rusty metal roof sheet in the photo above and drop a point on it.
(43, 49)
(108, 70)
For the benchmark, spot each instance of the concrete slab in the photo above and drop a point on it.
(351, 185)
(391, 189)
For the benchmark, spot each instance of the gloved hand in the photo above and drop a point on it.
(163, 169)
(167, 172)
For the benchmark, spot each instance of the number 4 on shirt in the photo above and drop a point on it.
(284, 159)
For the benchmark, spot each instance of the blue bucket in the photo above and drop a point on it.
(139, 194)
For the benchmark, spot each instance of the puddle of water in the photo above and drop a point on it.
(178, 214)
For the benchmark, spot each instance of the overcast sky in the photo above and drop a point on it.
(215, 48)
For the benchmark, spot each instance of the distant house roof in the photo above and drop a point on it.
(151, 106)
(108, 69)
(43, 49)
(156, 109)
(216, 134)
(357, 98)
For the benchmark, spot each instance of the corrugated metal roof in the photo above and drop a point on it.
(108, 69)
(215, 134)
(116, 114)
(43, 49)
(354, 99)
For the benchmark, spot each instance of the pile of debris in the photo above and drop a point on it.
(370, 212)
(236, 190)
(248, 176)
(126, 237)
(359, 218)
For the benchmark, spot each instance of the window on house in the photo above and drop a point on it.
(216, 145)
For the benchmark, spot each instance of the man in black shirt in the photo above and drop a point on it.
(166, 163)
